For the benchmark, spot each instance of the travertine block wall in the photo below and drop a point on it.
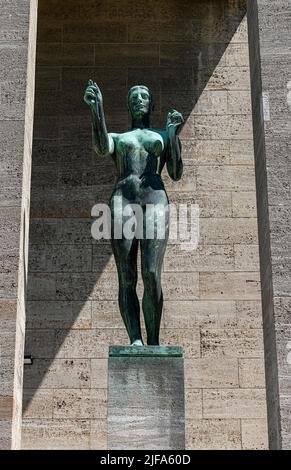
(194, 56)
(18, 19)
(270, 59)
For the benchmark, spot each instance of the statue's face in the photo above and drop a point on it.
(139, 102)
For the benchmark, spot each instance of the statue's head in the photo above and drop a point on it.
(140, 101)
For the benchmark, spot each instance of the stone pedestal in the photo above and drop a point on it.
(146, 398)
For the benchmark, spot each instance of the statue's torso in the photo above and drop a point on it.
(138, 151)
(139, 158)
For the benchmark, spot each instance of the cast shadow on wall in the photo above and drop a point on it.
(67, 268)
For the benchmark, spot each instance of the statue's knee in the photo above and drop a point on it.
(127, 282)
(150, 279)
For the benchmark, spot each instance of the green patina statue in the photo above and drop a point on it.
(140, 155)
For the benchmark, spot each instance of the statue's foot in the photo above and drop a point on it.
(137, 342)
(153, 342)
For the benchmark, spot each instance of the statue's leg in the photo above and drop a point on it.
(125, 254)
(152, 255)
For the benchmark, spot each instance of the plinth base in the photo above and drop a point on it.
(146, 398)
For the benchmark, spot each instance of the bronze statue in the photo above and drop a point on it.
(139, 155)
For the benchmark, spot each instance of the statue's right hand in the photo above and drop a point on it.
(93, 95)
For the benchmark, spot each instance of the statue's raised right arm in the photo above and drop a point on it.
(102, 141)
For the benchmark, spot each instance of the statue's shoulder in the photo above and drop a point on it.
(117, 137)
(114, 135)
(163, 134)
(120, 135)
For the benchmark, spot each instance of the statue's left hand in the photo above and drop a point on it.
(174, 120)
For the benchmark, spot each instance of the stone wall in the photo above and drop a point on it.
(17, 73)
(194, 56)
(269, 34)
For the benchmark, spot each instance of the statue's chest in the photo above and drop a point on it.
(140, 143)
